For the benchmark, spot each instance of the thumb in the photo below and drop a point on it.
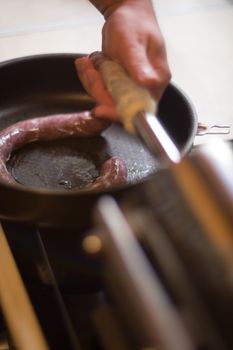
(139, 68)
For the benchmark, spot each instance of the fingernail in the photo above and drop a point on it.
(147, 71)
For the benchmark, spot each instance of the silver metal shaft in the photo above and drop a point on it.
(143, 292)
(156, 138)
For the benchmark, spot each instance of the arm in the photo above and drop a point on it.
(131, 36)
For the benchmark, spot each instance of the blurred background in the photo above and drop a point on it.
(198, 35)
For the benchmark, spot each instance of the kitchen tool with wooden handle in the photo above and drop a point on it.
(137, 109)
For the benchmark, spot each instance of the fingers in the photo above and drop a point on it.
(97, 58)
(86, 73)
(105, 112)
(143, 55)
(147, 66)
(138, 66)
(92, 81)
(158, 58)
(94, 85)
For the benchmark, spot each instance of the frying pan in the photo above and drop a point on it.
(48, 84)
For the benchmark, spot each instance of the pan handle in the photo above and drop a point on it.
(137, 109)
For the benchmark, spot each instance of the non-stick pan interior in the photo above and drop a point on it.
(48, 84)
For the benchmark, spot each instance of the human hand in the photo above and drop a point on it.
(88, 71)
(131, 36)
(126, 99)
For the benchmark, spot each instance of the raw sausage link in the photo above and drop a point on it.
(56, 127)
(113, 172)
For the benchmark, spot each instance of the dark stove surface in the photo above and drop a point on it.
(62, 282)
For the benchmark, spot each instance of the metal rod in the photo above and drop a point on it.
(156, 138)
(74, 342)
(159, 321)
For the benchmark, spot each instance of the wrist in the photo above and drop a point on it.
(107, 7)
(112, 7)
(136, 6)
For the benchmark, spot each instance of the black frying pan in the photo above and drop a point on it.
(48, 84)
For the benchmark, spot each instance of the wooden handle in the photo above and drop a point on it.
(15, 304)
(129, 97)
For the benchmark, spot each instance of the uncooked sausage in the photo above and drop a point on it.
(113, 172)
(60, 126)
